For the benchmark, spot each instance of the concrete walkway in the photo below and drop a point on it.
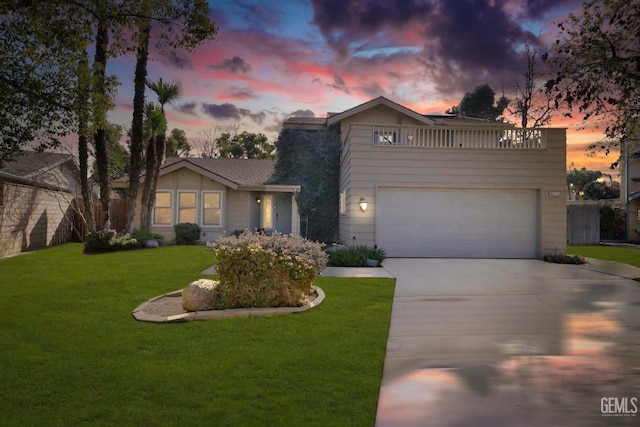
(509, 342)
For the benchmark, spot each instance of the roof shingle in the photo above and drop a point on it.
(239, 171)
(29, 163)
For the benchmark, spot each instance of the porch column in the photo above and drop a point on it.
(295, 217)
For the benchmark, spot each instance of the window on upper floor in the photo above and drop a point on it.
(385, 137)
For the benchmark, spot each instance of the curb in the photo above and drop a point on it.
(140, 315)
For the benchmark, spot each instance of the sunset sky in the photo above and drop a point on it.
(273, 60)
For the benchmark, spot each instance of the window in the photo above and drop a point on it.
(211, 212)
(267, 211)
(384, 137)
(187, 207)
(343, 203)
(162, 208)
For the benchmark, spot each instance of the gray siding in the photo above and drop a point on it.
(365, 167)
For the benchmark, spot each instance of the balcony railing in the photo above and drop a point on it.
(447, 137)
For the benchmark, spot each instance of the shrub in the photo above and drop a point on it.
(124, 242)
(255, 270)
(565, 259)
(252, 276)
(142, 236)
(348, 257)
(107, 241)
(612, 223)
(187, 233)
(356, 256)
(99, 241)
(377, 254)
(281, 244)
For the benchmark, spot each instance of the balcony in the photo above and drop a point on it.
(491, 138)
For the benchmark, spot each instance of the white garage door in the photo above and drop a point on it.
(457, 223)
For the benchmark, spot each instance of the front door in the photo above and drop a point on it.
(283, 213)
(276, 212)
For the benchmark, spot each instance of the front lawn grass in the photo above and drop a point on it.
(72, 354)
(623, 255)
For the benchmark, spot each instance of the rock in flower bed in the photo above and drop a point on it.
(199, 295)
(255, 270)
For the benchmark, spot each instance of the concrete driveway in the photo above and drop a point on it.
(511, 343)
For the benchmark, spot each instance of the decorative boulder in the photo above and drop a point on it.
(152, 243)
(199, 295)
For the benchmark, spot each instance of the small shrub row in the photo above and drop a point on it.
(187, 233)
(565, 259)
(109, 241)
(356, 256)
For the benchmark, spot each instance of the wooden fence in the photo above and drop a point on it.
(117, 216)
(583, 224)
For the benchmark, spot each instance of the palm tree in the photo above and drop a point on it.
(157, 120)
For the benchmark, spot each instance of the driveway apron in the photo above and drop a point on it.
(511, 343)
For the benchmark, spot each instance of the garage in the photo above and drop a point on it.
(457, 223)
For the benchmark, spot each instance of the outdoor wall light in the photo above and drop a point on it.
(258, 200)
(363, 204)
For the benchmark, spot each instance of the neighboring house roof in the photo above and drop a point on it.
(30, 165)
(306, 121)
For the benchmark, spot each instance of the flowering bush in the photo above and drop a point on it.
(108, 241)
(281, 244)
(265, 271)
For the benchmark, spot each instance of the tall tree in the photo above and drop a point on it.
(167, 93)
(532, 103)
(596, 62)
(181, 25)
(480, 103)
(177, 144)
(40, 48)
(51, 93)
(101, 107)
(119, 158)
(205, 143)
(82, 111)
(579, 179)
(245, 146)
(41, 44)
(156, 123)
(136, 142)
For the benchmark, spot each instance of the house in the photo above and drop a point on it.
(36, 197)
(221, 196)
(442, 186)
(630, 192)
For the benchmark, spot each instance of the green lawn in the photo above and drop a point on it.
(608, 253)
(72, 354)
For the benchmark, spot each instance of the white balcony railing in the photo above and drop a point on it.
(447, 137)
